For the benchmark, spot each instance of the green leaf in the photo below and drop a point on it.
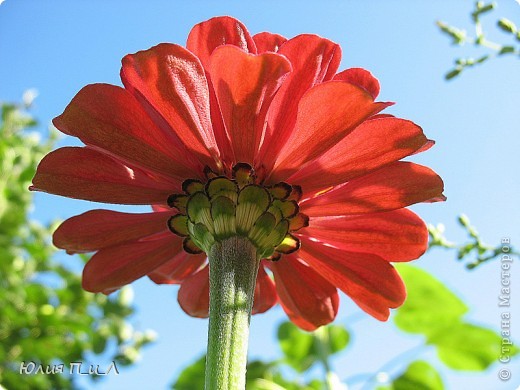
(98, 343)
(429, 306)
(467, 347)
(302, 349)
(277, 382)
(316, 384)
(258, 369)
(192, 377)
(482, 59)
(267, 376)
(458, 36)
(419, 376)
(297, 346)
(506, 50)
(482, 8)
(507, 25)
(264, 384)
(338, 338)
(329, 340)
(453, 73)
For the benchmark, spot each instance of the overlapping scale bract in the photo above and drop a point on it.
(238, 206)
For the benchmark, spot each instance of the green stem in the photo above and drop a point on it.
(322, 338)
(233, 268)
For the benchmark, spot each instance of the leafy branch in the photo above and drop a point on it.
(480, 40)
(45, 316)
(475, 248)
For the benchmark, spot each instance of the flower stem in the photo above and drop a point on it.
(322, 339)
(233, 269)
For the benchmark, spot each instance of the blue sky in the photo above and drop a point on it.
(59, 46)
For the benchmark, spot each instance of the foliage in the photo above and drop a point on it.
(45, 316)
(419, 375)
(302, 349)
(475, 248)
(444, 307)
(433, 313)
(491, 49)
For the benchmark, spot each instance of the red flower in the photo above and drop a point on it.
(225, 102)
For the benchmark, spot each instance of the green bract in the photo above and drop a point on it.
(238, 206)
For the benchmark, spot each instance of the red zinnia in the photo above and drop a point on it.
(275, 111)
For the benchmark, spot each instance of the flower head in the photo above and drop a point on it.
(258, 136)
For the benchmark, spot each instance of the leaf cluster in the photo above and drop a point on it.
(432, 312)
(474, 248)
(45, 315)
(491, 49)
(438, 315)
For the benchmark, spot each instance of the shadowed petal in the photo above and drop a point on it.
(425, 147)
(245, 85)
(362, 78)
(266, 41)
(84, 173)
(193, 295)
(371, 145)
(113, 267)
(221, 136)
(397, 235)
(395, 186)
(309, 300)
(265, 292)
(171, 84)
(110, 118)
(314, 60)
(178, 268)
(98, 229)
(223, 30)
(326, 114)
(370, 281)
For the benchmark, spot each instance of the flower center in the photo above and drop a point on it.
(238, 206)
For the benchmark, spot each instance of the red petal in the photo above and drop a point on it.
(203, 39)
(115, 266)
(314, 60)
(370, 281)
(159, 208)
(266, 41)
(309, 300)
(245, 85)
(265, 292)
(221, 136)
(371, 145)
(224, 30)
(98, 229)
(83, 173)
(397, 235)
(111, 119)
(175, 270)
(362, 78)
(171, 84)
(425, 147)
(193, 295)
(326, 114)
(393, 187)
